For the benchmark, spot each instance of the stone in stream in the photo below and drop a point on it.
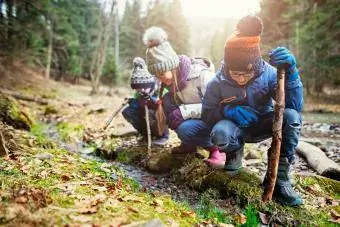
(125, 131)
(252, 155)
(44, 156)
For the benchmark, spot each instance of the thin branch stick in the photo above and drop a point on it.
(147, 119)
(274, 152)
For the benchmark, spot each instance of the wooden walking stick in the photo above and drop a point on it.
(147, 119)
(274, 152)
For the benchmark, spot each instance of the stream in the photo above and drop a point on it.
(324, 135)
(162, 183)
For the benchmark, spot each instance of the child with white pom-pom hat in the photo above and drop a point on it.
(186, 79)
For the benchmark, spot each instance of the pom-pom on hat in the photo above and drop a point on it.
(141, 78)
(160, 57)
(242, 49)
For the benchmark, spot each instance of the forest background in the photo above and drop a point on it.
(92, 39)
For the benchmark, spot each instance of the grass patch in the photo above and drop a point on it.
(252, 217)
(207, 209)
(69, 131)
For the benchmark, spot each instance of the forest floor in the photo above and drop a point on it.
(52, 178)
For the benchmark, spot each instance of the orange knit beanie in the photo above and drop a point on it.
(242, 48)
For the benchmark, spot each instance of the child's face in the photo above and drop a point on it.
(144, 90)
(166, 78)
(241, 78)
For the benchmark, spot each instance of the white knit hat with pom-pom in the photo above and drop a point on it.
(160, 57)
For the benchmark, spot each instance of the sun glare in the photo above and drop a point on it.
(220, 8)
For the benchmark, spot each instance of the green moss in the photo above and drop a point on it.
(59, 198)
(207, 209)
(329, 186)
(39, 131)
(11, 113)
(50, 110)
(68, 131)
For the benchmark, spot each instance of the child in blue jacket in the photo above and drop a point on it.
(238, 103)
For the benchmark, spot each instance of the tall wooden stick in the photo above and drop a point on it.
(147, 119)
(274, 152)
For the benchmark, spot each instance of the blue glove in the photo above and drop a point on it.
(244, 116)
(281, 56)
(133, 103)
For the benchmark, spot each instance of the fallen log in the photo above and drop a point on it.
(20, 96)
(12, 114)
(318, 160)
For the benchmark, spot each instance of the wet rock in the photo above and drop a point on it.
(125, 131)
(160, 163)
(44, 156)
(253, 162)
(252, 155)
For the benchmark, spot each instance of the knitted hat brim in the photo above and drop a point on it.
(142, 85)
(165, 66)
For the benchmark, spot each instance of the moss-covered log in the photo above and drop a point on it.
(12, 114)
(243, 187)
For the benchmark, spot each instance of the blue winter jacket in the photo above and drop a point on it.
(258, 93)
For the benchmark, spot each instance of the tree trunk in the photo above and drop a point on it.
(99, 60)
(49, 50)
(274, 153)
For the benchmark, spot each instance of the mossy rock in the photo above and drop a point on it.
(12, 114)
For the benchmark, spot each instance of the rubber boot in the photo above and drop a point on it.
(160, 141)
(216, 158)
(234, 160)
(184, 149)
(283, 191)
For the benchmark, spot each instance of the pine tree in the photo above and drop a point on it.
(177, 28)
(131, 32)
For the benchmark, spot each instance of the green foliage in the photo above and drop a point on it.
(110, 70)
(311, 30)
(68, 131)
(165, 14)
(208, 210)
(252, 217)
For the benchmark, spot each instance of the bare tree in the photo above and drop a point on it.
(98, 58)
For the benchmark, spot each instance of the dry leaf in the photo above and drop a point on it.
(172, 223)
(132, 209)
(88, 210)
(188, 214)
(65, 178)
(335, 214)
(315, 189)
(264, 218)
(157, 202)
(21, 199)
(159, 210)
(81, 218)
(240, 219)
(132, 198)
